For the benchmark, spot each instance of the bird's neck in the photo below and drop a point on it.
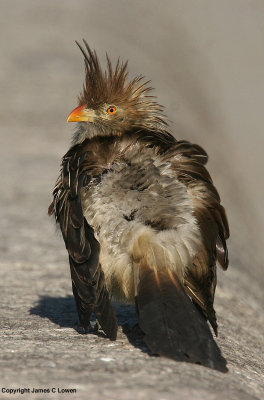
(85, 131)
(159, 137)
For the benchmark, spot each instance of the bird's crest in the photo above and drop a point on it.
(112, 87)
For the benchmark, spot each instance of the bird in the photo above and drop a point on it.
(140, 217)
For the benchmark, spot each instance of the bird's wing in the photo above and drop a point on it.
(188, 161)
(87, 276)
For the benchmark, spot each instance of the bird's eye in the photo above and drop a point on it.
(111, 110)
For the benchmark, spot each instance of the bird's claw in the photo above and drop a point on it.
(91, 328)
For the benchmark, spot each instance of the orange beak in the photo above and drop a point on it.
(81, 114)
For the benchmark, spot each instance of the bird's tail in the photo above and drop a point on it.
(172, 325)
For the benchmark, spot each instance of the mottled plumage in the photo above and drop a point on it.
(140, 217)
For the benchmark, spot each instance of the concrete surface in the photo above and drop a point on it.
(206, 60)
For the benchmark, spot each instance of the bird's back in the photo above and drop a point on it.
(137, 198)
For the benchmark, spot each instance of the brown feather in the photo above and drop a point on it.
(87, 276)
(93, 157)
(200, 280)
(112, 87)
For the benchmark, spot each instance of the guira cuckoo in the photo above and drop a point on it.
(140, 217)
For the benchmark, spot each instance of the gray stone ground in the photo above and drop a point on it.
(206, 60)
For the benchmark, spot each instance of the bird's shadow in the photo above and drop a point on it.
(62, 312)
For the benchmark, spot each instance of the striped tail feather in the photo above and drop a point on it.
(172, 325)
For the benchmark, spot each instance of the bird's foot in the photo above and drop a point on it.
(91, 328)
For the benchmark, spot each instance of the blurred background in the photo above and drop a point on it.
(206, 61)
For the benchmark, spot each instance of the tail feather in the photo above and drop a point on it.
(172, 325)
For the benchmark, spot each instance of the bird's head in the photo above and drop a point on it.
(110, 104)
